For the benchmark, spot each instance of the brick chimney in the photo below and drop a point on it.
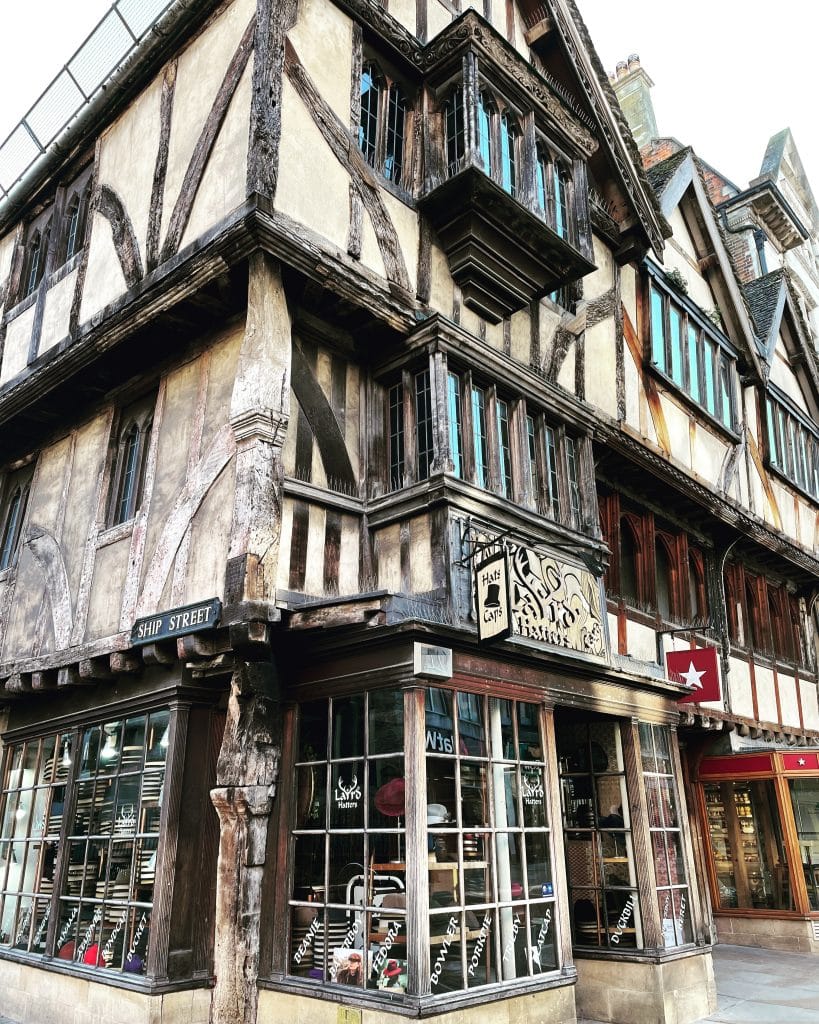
(632, 87)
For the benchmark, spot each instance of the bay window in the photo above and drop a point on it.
(80, 815)
(382, 122)
(479, 856)
(670, 876)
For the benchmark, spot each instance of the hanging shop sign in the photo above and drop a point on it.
(556, 603)
(541, 599)
(697, 669)
(492, 597)
(191, 618)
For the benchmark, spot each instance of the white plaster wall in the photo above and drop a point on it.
(15, 348)
(223, 185)
(740, 695)
(438, 17)
(210, 541)
(283, 576)
(104, 279)
(407, 227)
(388, 546)
(328, 212)
(127, 155)
(106, 589)
(601, 367)
(566, 376)
(57, 312)
(708, 455)
(442, 288)
(787, 699)
(404, 12)
(641, 641)
(370, 253)
(765, 694)
(420, 554)
(330, 65)
(783, 376)
(224, 357)
(348, 575)
(90, 450)
(314, 561)
(785, 504)
(810, 704)
(200, 72)
(678, 422)
(599, 282)
(520, 341)
(686, 261)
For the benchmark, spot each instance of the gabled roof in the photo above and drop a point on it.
(781, 154)
(766, 300)
(770, 299)
(677, 177)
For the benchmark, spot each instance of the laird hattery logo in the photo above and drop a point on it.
(347, 797)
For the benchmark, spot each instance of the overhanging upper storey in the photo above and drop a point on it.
(505, 184)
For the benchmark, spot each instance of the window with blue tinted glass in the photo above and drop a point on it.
(456, 444)
(479, 445)
(485, 132)
(504, 451)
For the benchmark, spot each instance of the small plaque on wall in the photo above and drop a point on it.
(492, 598)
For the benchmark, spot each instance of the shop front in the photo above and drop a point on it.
(760, 817)
(482, 837)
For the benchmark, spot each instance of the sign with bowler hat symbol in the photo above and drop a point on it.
(492, 598)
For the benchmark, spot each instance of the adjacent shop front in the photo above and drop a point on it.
(760, 816)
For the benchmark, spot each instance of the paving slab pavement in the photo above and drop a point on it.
(764, 986)
(761, 986)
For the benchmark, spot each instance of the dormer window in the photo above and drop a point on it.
(793, 444)
(382, 123)
(691, 353)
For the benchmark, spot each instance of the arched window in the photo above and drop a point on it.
(128, 476)
(754, 630)
(697, 598)
(75, 218)
(35, 261)
(508, 143)
(662, 579)
(733, 607)
(14, 511)
(454, 119)
(629, 562)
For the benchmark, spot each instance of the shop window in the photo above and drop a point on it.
(792, 444)
(13, 513)
(483, 853)
(382, 122)
(673, 896)
(747, 848)
(112, 775)
(691, 353)
(131, 456)
(804, 794)
(603, 896)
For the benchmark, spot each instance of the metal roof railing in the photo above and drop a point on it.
(112, 41)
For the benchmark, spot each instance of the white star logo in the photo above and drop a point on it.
(692, 677)
(801, 761)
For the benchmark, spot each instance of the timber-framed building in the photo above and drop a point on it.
(381, 443)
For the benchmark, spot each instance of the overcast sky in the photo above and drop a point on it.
(726, 75)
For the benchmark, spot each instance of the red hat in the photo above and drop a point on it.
(392, 970)
(389, 799)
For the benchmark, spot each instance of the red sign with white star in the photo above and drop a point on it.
(804, 761)
(697, 669)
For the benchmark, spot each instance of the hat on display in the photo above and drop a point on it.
(437, 814)
(389, 799)
(392, 970)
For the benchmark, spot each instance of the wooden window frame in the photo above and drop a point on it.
(380, 150)
(664, 307)
(790, 444)
(127, 481)
(13, 508)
